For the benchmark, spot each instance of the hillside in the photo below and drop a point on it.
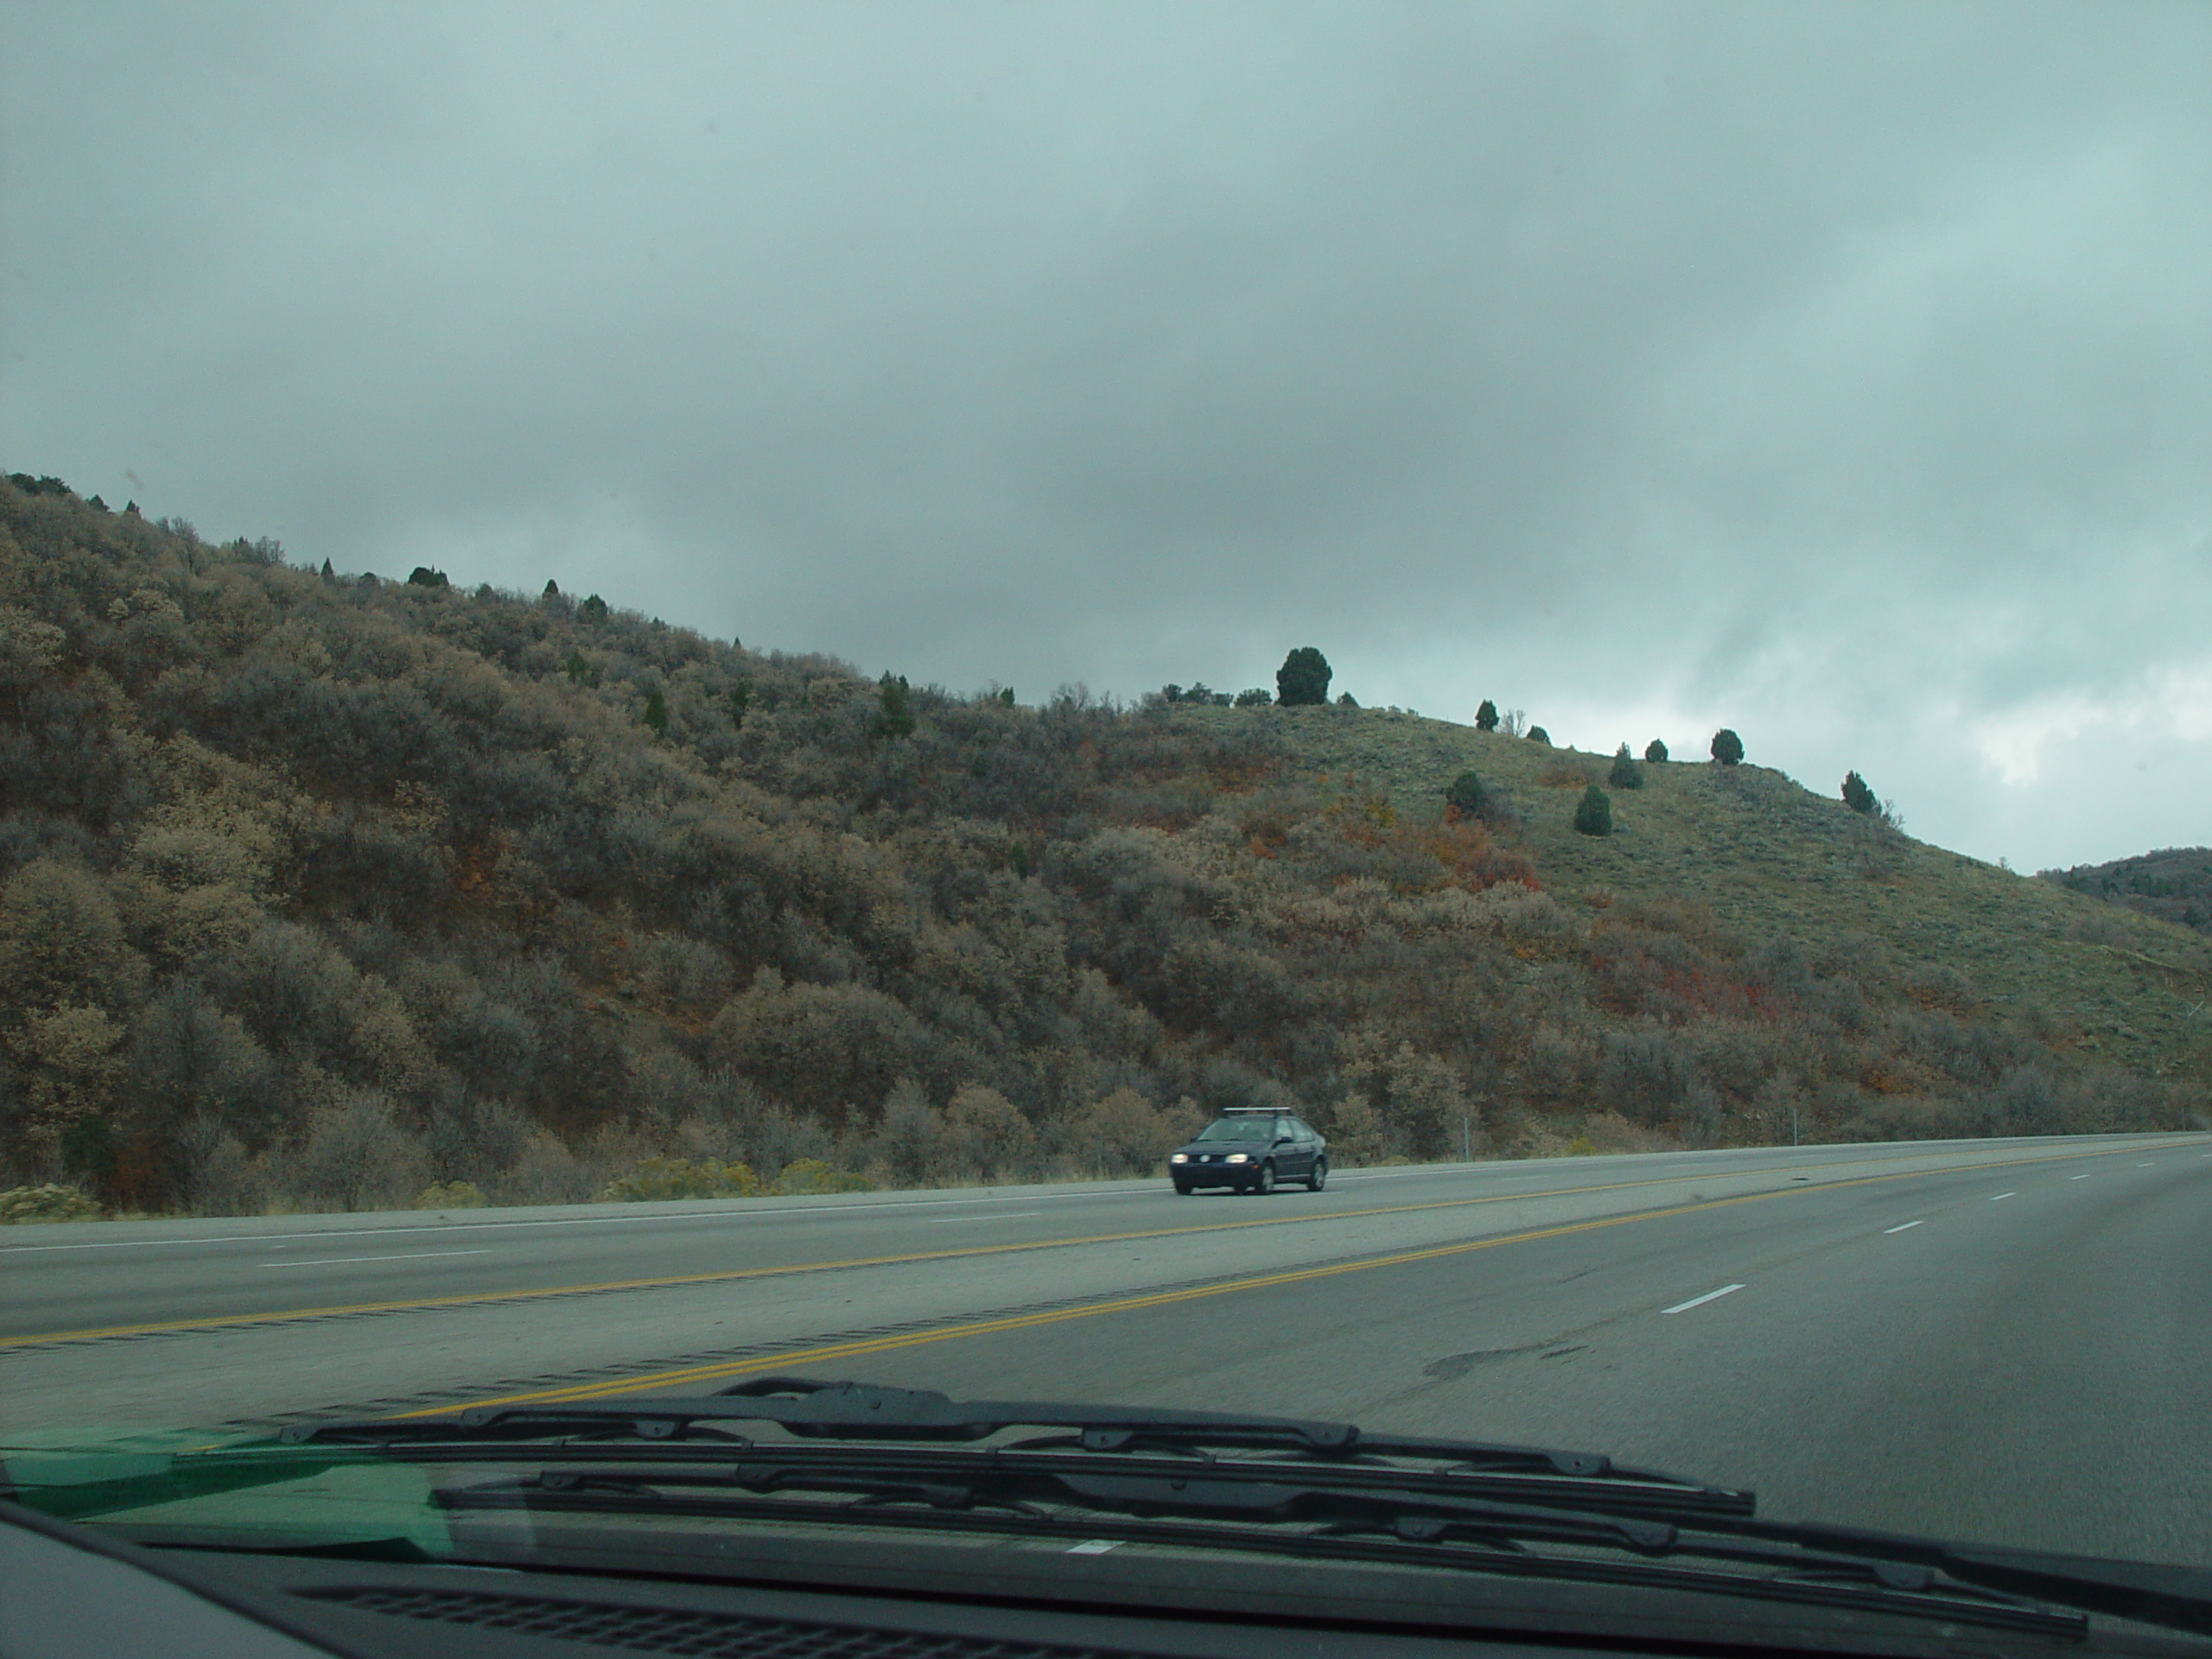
(2174, 885)
(330, 890)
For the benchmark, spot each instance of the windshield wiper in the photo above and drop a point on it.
(854, 1454)
(814, 1412)
(1217, 1506)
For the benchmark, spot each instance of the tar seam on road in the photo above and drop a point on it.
(1699, 1302)
(420, 1303)
(836, 1351)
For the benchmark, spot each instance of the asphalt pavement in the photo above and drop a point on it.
(2008, 1341)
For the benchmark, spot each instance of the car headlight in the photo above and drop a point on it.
(1180, 1158)
(1239, 1158)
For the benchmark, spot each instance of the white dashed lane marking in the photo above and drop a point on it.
(1699, 1302)
(2004, 1195)
(1900, 1227)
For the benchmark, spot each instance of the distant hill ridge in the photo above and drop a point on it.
(2174, 884)
(321, 890)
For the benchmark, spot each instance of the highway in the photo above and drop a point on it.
(2008, 1341)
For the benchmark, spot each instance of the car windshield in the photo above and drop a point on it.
(1238, 1128)
(1488, 721)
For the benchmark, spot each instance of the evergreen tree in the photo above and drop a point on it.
(1256, 697)
(1347, 701)
(593, 609)
(577, 669)
(1594, 816)
(657, 712)
(1467, 794)
(423, 577)
(552, 589)
(1625, 774)
(1655, 752)
(1486, 716)
(740, 699)
(1303, 677)
(1005, 695)
(326, 570)
(896, 718)
(1538, 735)
(1858, 797)
(1727, 747)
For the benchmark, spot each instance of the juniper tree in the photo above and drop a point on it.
(1858, 797)
(1486, 716)
(1467, 794)
(1595, 815)
(1727, 747)
(1625, 774)
(657, 712)
(1655, 752)
(1303, 677)
(894, 718)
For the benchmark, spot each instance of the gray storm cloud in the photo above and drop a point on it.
(1840, 372)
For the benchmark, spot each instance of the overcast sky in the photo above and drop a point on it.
(1841, 373)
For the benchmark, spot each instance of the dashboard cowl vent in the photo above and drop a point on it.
(710, 1636)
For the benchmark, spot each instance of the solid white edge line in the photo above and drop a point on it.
(1901, 1227)
(347, 1260)
(1699, 1302)
(962, 1221)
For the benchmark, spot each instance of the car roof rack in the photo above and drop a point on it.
(1254, 1111)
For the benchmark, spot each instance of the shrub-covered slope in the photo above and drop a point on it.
(2174, 884)
(331, 890)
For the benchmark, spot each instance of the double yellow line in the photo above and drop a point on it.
(697, 1376)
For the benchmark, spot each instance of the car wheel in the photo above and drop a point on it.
(1319, 1177)
(1183, 1188)
(1265, 1182)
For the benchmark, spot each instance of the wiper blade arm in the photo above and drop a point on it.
(849, 1411)
(1378, 1525)
(2179, 1598)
